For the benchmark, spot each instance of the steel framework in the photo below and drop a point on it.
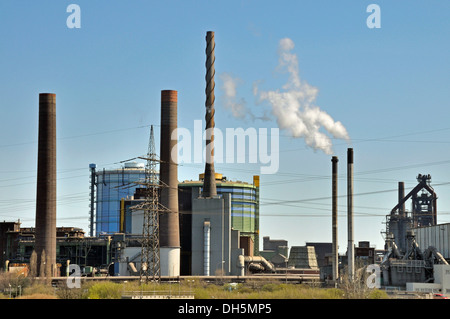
(150, 248)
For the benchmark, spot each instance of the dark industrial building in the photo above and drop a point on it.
(17, 244)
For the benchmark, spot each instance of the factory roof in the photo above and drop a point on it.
(220, 181)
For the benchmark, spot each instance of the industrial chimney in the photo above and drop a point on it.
(169, 236)
(45, 234)
(209, 182)
(351, 246)
(334, 186)
(401, 195)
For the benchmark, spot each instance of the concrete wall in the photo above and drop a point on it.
(423, 287)
(442, 276)
(441, 282)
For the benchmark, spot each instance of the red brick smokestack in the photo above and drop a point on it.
(45, 236)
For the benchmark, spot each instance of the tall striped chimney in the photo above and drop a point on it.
(209, 182)
(45, 233)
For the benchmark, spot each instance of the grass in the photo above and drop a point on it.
(200, 289)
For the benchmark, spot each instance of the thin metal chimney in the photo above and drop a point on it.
(169, 223)
(335, 264)
(351, 246)
(92, 167)
(45, 233)
(401, 195)
(209, 182)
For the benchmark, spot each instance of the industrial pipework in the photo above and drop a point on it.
(206, 247)
(45, 244)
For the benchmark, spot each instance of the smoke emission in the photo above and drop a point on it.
(238, 108)
(294, 107)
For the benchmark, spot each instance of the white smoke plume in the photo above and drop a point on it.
(294, 107)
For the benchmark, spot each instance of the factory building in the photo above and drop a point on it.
(111, 187)
(244, 206)
(276, 251)
(242, 200)
(238, 224)
(18, 243)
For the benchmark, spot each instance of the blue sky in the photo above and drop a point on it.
(389, 88)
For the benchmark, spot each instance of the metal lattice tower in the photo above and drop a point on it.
(150, 261)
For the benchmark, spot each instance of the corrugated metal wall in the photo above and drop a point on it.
(437, 236)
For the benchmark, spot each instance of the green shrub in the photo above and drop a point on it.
(105, 290)
(378, 294)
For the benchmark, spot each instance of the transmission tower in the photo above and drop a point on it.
(150, 261)
(152, 208)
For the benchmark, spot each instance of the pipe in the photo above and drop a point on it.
(261, 260)
(45, 243)
(334, 218)
(209, 182)
(401, 195)
(132, 268)
(93, 183)
(122, 215)
(241, 265)
(67, 267)
(395, 250)
(351, 246)
(206, 247)
(169, 220)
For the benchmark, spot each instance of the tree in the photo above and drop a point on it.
(33, 264)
